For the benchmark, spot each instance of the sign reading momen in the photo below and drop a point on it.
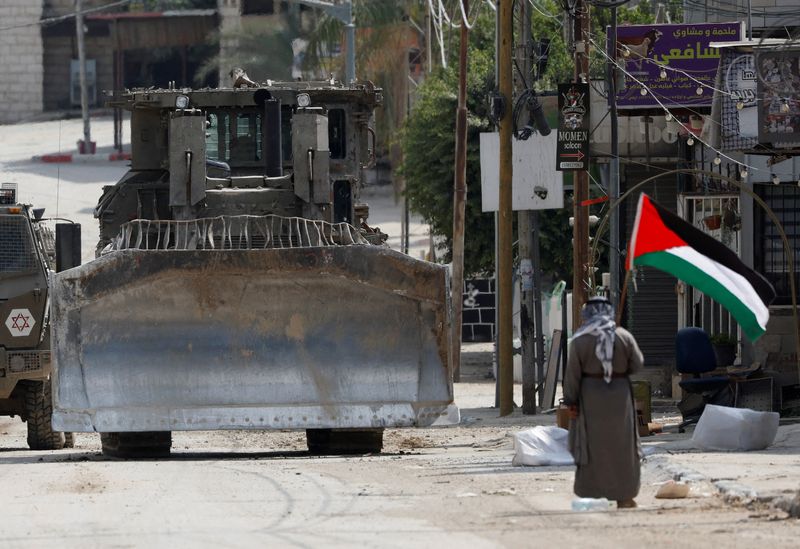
(674, 63)
(572, 148)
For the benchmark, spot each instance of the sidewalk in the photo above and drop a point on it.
(769, 478)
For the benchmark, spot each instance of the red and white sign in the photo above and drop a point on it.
(20, 322)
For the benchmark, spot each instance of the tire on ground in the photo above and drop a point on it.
(38, 415)
(344, 441)
(150, 444)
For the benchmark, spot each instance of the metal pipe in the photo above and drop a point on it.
(87, 131)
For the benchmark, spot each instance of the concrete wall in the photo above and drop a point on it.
(58, 52)
(20, 60)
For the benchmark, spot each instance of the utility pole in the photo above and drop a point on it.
(505, 234)
(580, 230)
(611, 90)
(525, 236)
(86, 147)
(459, 200)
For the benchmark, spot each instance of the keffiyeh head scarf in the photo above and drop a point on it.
(598, 320)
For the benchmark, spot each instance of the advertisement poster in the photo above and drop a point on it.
(682, 52)
(572, 147)
(739, 128)
(779, 91)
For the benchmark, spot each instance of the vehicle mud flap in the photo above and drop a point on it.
(312, 338)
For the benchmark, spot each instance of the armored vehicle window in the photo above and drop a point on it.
(337, 138)
(16, 255)
(234, 137)
(286, 133)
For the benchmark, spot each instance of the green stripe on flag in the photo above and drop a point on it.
(692, 275)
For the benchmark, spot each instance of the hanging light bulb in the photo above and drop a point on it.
(743, 172)
(663, 73)
(739, 105)
(699, 90)
(776, 179)
(626, 52)
(717, 160)
(785, 106)
(668, 116)
(690, 141)
(643, 91)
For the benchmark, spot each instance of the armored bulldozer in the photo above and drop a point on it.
(238, 284)
(27, 256)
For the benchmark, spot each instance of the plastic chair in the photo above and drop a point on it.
(694, 355)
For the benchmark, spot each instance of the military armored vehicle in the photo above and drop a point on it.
(239, 285)
(27, 255)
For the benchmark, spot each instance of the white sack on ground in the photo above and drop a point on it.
(724, 428)
(542, 445)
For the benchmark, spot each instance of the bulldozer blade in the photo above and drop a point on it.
(333, 337)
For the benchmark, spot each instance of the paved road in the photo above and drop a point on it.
(441, 487)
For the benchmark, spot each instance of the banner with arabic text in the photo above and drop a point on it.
(672, 62)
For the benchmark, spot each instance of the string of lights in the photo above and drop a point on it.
(743, 167)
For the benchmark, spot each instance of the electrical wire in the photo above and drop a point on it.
(719, 153)
(60, 18)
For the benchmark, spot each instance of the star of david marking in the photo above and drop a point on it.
(20, 322)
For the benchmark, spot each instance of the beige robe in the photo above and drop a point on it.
(603, 439)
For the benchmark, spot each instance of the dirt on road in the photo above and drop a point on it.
(437, 487)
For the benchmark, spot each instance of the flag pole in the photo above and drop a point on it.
(622, 295)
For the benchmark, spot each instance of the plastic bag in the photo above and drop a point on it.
(542, 445)
(724, 428)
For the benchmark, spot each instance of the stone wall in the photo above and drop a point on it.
(20, 60)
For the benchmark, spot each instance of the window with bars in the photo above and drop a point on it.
(769, 255)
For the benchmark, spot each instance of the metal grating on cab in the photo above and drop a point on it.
(28, 361)
(241, 232)
(16, 255)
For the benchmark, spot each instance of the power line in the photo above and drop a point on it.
(60, 18)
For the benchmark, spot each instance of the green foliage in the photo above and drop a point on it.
(428, 142)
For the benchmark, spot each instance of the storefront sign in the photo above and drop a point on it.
(671, 62)
(572, 149)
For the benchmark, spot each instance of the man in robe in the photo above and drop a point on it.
(603, 436)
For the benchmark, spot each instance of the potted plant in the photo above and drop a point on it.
(724, 346)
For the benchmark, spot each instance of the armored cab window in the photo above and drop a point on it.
(337, 137)
(286, 134)
(234, 137)
(16, 254)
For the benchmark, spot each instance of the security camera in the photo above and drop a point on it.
(541, 192)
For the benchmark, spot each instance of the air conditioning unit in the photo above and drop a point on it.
(75, 82)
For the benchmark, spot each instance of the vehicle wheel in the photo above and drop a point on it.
(150, 444)
(69, 440)
(39, 415)
(344, 441)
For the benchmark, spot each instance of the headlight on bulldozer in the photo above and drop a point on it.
(182, 102)
(303, 100)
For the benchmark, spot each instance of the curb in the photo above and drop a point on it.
(82, 158)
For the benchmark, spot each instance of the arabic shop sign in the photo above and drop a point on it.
(778, 75)
(572, 147)
(679, 53)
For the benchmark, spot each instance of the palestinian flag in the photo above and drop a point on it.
(662, 240)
